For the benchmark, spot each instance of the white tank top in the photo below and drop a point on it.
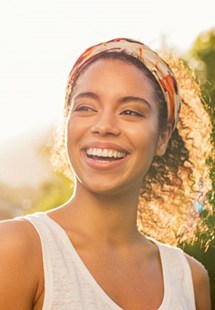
(70, 286)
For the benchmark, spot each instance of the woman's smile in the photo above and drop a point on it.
(104, 156)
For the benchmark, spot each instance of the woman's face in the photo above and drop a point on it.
(113, 130)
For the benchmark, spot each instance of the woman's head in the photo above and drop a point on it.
(179, 179)
(113, 109)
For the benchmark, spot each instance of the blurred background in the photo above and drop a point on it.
(39, 42)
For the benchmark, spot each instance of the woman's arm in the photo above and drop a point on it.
(201, 284)
(19, 265)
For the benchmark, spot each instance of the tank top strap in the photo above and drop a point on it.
(46, 240)
(177, 271)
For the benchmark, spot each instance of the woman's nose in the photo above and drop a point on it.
(105, 124)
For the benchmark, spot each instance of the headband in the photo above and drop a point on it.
(153, 62)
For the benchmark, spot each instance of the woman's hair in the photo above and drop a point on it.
(176, 185)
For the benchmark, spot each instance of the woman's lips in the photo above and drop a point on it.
(104, 156)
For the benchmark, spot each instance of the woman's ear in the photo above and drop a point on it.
(163, 141)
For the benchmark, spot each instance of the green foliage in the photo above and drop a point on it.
(53, 193)
(202, 59)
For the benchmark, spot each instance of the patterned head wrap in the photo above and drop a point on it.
(153, 62)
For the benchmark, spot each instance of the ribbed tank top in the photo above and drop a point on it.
(70, 286)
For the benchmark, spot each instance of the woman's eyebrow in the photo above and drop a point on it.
(122, 100)
(135, 99)
(86, 95)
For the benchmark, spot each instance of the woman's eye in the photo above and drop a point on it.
(84, 108)
(132, 113)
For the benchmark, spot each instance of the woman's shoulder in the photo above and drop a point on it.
(19, 245)
(20, 263)
(198, 270)
(17, 234)
(200, 282)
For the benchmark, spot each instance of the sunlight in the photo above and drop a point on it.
(40, 41)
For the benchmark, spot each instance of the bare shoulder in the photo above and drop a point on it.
(16, 232)
(201, 284)
(19, 268)
(17, 236)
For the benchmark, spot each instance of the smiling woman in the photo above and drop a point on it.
(138, 171)
(181, 174)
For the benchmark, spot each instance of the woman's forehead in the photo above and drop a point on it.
(111, 74)
(111, 68)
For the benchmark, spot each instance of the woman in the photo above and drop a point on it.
(121, 112)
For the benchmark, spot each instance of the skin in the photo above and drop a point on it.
(113, 107)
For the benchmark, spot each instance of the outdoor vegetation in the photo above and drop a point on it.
(202, 59)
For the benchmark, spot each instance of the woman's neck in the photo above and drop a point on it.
(110, 218)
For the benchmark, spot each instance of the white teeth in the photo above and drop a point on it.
(105, 153)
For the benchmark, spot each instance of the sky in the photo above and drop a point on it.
(41, 39)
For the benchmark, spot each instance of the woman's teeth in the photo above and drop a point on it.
(105, 153)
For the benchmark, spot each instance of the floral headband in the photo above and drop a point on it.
(156, 65)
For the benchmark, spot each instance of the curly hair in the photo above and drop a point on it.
(175, 188)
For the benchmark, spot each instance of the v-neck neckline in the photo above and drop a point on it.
(92, 281)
